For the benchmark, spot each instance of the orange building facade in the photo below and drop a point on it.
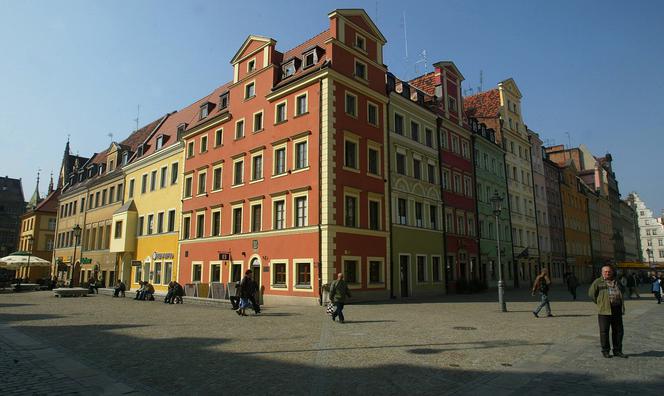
(284, 169)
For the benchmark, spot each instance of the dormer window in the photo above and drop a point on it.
(180, 131)
(288, 69)
(360, 42)
(101, 169)
(310, 58)
(110, 165)
(140, 150)
(205, 109)
(125, 158)
(160, 142)
(223, 101)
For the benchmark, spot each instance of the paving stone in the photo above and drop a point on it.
(454, 345)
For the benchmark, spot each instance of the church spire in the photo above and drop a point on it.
(65, 167)
(50, 185)
(34, 200)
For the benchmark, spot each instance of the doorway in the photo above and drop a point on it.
(403, 270)
(256, 275)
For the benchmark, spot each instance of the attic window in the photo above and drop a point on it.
(223, 101)
(160, 142)
(288, 69)
(451, 103)
(204, 110)
(310, 58)
(360, 42)
(125, 158)
(140, 150)
(110, 165)
(180, 131)
(101, 169)
(251, 66)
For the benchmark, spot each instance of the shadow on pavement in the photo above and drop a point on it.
(25, 317)
(14, 305)
(190, 365)
(657, 354)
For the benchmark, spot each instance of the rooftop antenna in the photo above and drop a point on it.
(405, 37)
(569, 140)
(468, 92)
(376, 11)
(110, 135)
(423, 59)
(138, 114)
(481, 87)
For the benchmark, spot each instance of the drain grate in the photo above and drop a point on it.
(465, 328)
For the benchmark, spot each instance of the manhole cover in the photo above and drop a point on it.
(464, 328)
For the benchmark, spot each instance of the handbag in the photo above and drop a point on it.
(329, 309)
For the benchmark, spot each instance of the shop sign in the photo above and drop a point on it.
(85, 260)
(162, 256)
(224, 256)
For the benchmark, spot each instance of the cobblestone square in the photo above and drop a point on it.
(455, 345)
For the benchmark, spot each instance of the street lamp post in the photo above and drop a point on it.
(497, 201)
(651, 257)
(77, 235)
(31, 241)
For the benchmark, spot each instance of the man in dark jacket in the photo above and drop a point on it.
(246, 291)
(338, 293)
(607, 293)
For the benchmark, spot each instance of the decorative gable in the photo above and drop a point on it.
(255, 53)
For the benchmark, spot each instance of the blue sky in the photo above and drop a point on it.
(588, 68)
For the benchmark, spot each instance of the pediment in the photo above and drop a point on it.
(250, 45)
(510, 86)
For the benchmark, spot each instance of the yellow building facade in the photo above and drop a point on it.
(145, 230)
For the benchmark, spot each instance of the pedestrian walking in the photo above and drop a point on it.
(631, 286)
(607, 293)
(246, 291)
(542, 284)
(254, 297)
(572, 284)
(338, 292)
(656, 287)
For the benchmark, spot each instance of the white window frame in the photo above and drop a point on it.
(276, 148)
(365, 77)
(295, 143)
(233, 207)
(370, 103)
(358, 259)
(346, 95)
(276, 112)
(246, 93)
(306, 104)
(371, 145)
(294, 196)
(378, 199)
(221, 182)
(253, 123)
(280, 198)
(212, 212)
(251, 215)
(244, 129)
(272, 273)
(297, 261)
(349, 137)
(219, 132)
(262, 175)
(193, 264)
(235, 161)
(381, 282)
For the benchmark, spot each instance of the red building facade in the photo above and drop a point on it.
(457, 174)
(284, 167)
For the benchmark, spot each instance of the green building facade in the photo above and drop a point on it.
(489, 179)
(415, 195)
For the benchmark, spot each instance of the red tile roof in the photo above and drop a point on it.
(483, 105)
(50, 203)
(190, 114)
(317, 40)
(425, 83)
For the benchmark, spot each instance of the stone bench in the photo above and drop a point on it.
(26, 286)
(70, 292)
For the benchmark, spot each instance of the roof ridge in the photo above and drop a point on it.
(309, 39)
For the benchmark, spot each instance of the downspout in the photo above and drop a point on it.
(388, 204)
(320, 192)
(439, 123)
(473, 137)
(532, 183)
(515, 273)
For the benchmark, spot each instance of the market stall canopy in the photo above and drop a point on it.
(20, 259)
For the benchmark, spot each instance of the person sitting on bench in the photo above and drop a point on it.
(141, 290)
(120, 289)
(149, 292)
(92, 286)
(175, 293)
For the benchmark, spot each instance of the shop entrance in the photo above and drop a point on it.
(255, 267)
